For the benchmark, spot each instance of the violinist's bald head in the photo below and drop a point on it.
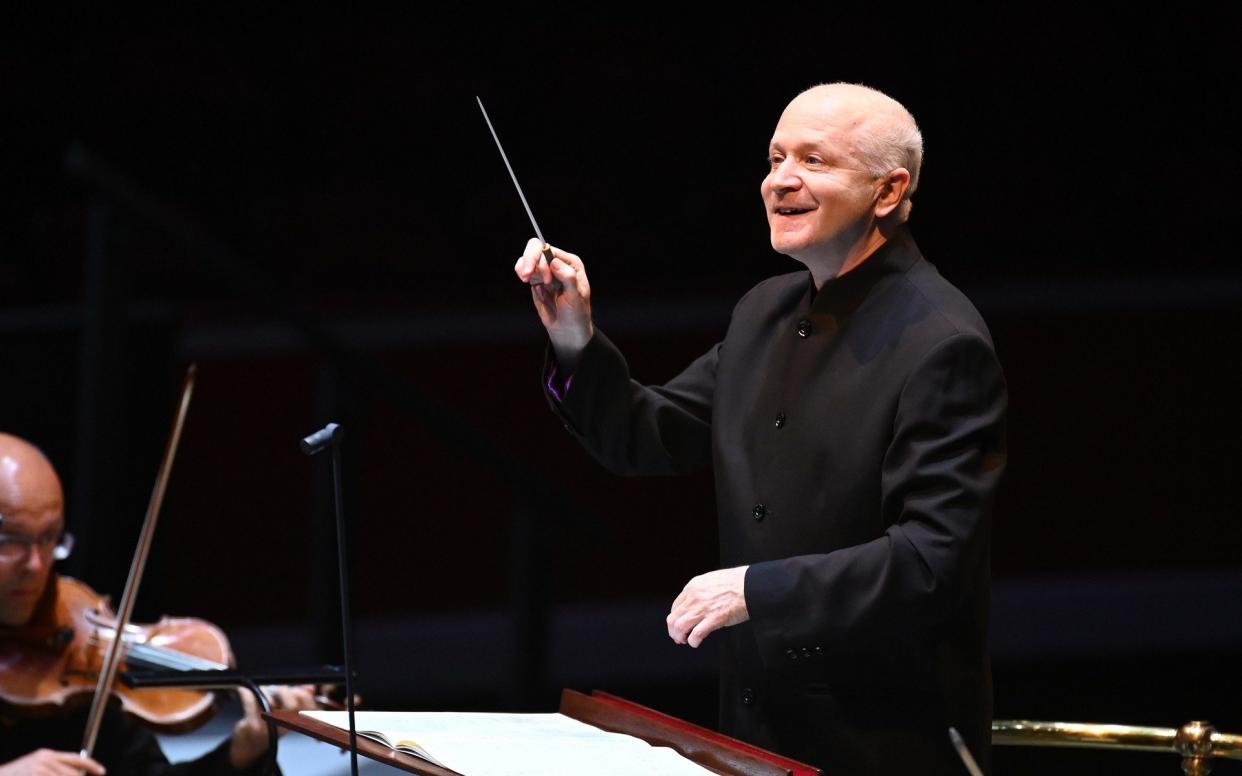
(32, 505)
(27, 479)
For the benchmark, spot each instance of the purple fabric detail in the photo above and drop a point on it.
(564, 389)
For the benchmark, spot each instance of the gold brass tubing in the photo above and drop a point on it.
(1020, 732)
(1227, 745)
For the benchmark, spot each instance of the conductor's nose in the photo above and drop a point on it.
(784, 177)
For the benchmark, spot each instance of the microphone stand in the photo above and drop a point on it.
(330, 437)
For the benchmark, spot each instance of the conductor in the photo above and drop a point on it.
(853, 416)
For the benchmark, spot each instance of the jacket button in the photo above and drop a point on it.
(819, 651)
(789, 653)
(804, 328)
(806, 652)
(780, 420)
(748, 697)
(759, 511)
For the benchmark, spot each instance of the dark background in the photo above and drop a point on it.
(310, 207)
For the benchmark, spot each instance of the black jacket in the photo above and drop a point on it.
(857, 437)
(124, 747)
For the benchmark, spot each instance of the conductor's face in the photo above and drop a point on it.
(818, 194)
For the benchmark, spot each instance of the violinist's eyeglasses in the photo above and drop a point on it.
(16, 548)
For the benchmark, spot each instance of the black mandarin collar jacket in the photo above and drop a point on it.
(856, 436)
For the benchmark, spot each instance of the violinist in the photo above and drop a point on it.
(31, 537)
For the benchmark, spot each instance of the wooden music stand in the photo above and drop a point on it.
(718, 753)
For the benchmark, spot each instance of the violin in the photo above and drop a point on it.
(74, 644)
(53, 662)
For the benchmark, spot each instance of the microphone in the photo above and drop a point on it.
(328, 435)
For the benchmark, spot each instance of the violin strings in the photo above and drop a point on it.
(151, 656)
(161, 657)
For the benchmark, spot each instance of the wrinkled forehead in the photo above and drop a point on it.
(31, 522)
(816, 119)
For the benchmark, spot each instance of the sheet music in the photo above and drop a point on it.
(482, 744)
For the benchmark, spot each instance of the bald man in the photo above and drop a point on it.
(32, 527)
(854, 418)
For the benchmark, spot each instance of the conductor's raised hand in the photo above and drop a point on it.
(565, 310)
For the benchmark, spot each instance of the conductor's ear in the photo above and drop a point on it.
(892, 191)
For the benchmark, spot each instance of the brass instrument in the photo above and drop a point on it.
(1197, 741)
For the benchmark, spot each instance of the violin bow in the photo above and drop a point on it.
(107, 674)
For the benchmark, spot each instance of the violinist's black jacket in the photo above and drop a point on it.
(857, 437)
(124, 747)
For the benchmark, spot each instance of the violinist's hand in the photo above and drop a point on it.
(249, 741)
(46, 762)
(566, 313)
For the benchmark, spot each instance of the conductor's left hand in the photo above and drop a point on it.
(249, 741)
(708, 603)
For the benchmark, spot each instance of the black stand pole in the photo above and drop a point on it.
(330, 436)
